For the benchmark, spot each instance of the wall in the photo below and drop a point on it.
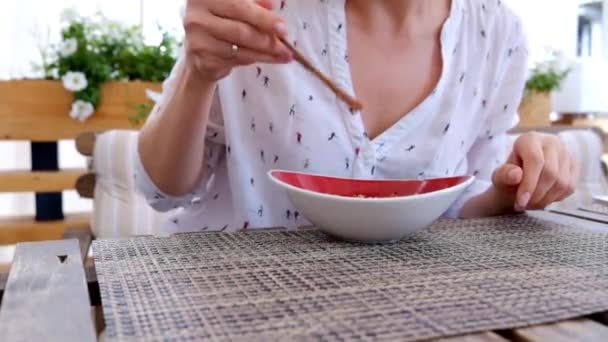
(551, 23)
(605, 44)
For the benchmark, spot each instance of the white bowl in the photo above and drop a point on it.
(388, 211)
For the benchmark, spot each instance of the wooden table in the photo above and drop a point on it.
(52, 295)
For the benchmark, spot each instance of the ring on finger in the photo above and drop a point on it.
(235, 51)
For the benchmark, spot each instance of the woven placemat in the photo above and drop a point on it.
(456, 277)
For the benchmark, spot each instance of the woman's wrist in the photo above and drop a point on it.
(190, 79)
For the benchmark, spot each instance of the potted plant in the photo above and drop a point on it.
(546, 76)
(95, 78)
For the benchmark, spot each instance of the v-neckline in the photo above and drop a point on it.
(338, 42)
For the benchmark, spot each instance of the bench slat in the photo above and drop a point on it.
(46, 297)
(20, 229)
(37, 110)
(582, 330)
(39, 181)
(483, 337)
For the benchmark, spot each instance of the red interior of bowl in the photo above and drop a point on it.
(366, 188)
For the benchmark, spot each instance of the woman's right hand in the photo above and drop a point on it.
(223, 34)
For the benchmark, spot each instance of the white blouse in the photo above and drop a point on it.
(281, 117)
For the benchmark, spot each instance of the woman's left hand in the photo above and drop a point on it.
(539, 171)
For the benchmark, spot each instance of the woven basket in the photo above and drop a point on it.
(535, 109)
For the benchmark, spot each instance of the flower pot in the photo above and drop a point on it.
(535, 109)
(38, 110)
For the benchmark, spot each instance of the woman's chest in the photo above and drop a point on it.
(281, 117)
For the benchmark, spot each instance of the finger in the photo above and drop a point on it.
(548, 177)
(532, 160)
(573, 181)
(245, 36)
(507, 175)
(561, 187)
(251, 13)
(202, 43)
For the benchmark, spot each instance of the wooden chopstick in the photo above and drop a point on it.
(353, 103)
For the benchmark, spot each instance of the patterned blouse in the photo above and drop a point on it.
(281, 117)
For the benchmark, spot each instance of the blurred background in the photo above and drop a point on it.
(28, 25)
(573, 29)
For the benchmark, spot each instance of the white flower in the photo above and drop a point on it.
(561, 62)
(68, 15)
(68, 47)
(74, 81)
(113, 31)
(114, 75)
(81, 110)
(548, 59)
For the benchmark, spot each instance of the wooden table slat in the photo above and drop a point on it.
(583, 215)
(483, 337)
(580, 330)
(84, 237)
(46, 296)
(574, 218)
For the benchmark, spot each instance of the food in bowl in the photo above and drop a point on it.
(366, 210)
(366, 196)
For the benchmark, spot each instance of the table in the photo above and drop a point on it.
(52, 295)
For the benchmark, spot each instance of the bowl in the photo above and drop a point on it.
(364, 210)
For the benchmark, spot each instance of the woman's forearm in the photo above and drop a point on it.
(171, 144)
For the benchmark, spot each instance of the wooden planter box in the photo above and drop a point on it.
(535, 110)
(38, 110)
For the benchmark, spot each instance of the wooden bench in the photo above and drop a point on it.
(37, 112)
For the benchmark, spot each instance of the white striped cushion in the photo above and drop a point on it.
(119, 211)
(587, 148)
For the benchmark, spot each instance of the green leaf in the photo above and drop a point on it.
(143, 110)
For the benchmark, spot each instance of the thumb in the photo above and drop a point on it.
(508, 175)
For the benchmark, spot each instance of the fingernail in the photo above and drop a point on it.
(280, 28)
(524, 199)
(284, 58)
(513, 175)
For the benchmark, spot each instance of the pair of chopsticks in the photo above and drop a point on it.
(353, 103)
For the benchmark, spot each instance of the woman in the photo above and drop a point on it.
(441, 82)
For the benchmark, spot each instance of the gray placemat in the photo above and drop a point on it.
(456, 277)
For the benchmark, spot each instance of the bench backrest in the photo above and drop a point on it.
(37, 111)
